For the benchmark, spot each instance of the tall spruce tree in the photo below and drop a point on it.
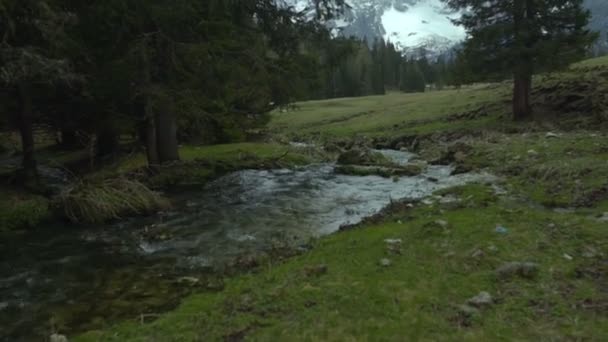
(522, 37)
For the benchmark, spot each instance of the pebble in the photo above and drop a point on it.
(393, 246)
(551, 135)
(526, 270)
(501, 229)
(568, 257)
(190, 280)
(428, 201)
(477, 254)
(467, 310)
(482, 299)
(590, 252)
(384, 262)
(442, 223)
(315, 270)
(532, 153)
(58, 338)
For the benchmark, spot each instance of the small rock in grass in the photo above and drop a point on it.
(188, 280)
(482, 299)
(501, 229)
(316, 270)
(492, 248)
(428, 201)
(532, 153)
(526, 270)
(568, 257)
(442, 223)
(393, 246)
(590, 252)
(384, 262)
(604, 217)
(58, 338)
(467, 310)
(551, 135)
(478, 253)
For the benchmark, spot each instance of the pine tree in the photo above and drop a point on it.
(412, 77)
(521, 37)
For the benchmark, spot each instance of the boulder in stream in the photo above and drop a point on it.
(409, 170)
(358, 156)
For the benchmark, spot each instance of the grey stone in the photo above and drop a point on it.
(482, 299)
(442, 223)
(58, 338)
(384, 262)
(526, 270)
(478, 253)
(188, 280)
(532, 153)
(393, 246)
(467, 310)
(316, 270)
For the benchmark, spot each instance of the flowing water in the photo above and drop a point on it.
(70, 279)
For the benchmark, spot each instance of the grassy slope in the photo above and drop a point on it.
(382, 115)
(417, 297)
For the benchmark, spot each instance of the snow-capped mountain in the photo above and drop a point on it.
(412, 25)
(418, 26)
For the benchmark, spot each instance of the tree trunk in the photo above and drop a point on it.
(30, 171)
(151, 143)
(107, 141)
(166, 133)
(522, 85)
(69, 139)
(522, 77)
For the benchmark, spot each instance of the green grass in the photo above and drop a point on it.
(417, 297)
(218, 153)
(562, 171)
(19, 209)
(593, 62)
(382, 115)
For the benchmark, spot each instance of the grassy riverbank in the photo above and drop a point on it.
(548, 211)
(20, 209)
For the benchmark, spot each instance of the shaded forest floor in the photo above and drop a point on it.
(525, 257)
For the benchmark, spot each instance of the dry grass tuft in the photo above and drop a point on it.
(99, 201)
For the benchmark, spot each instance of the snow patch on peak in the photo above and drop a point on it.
(424, 23)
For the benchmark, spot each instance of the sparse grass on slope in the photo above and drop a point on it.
(381, 115)
(562, 169)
